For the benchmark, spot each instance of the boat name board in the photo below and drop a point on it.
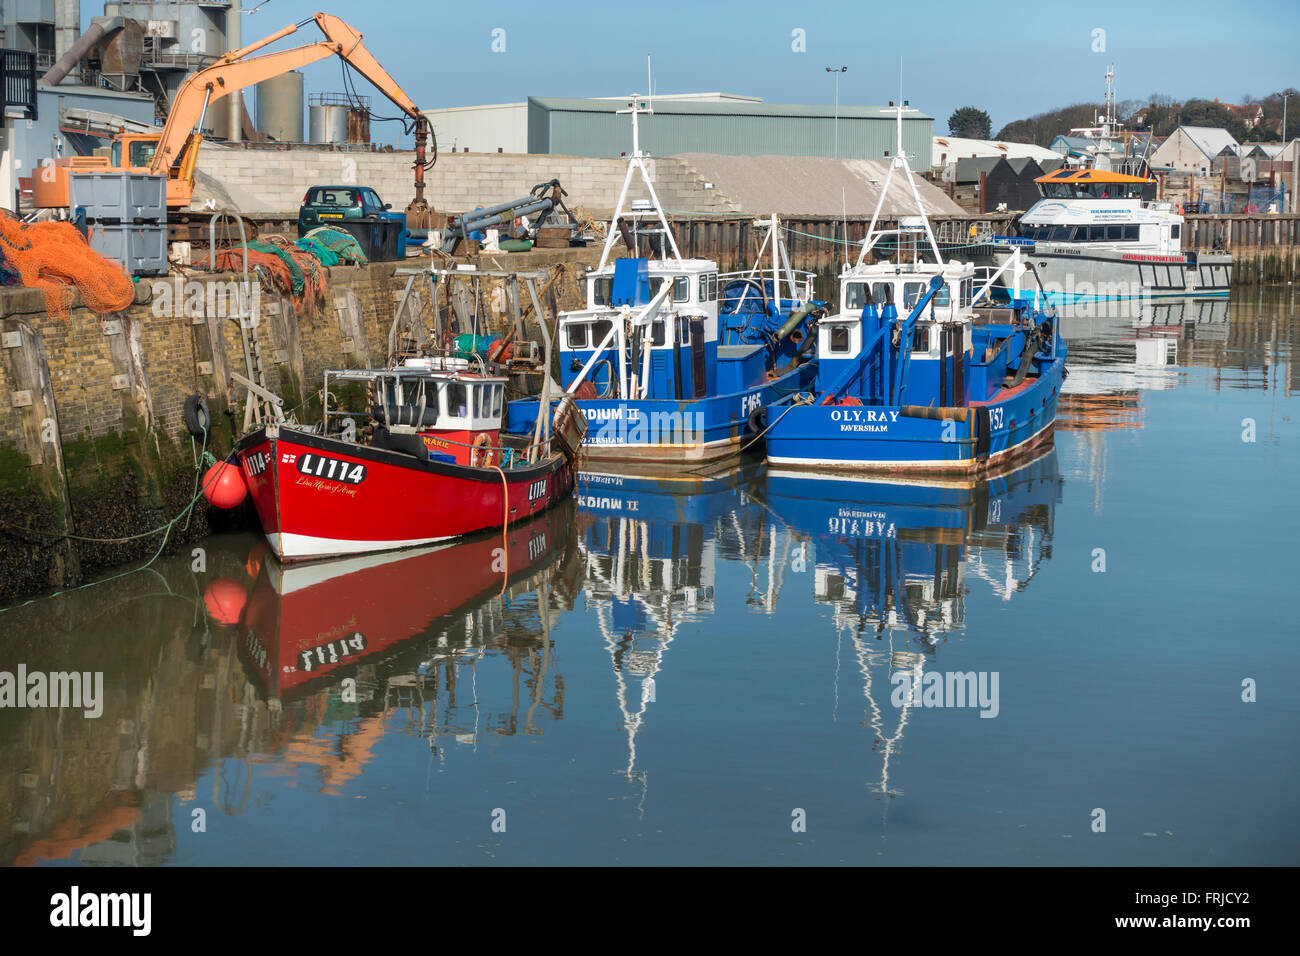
(330, 469)
(256, 463)
(332, 652)
(863, 419)
(1135, 257)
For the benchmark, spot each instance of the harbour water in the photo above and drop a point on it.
(1090, 660)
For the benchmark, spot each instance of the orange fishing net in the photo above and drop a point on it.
(283, 266)
(54, 258)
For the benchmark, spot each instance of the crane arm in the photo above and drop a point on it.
(235, 70)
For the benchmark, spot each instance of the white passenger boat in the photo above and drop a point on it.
(1093, 236)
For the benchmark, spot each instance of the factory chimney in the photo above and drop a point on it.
(67, 25)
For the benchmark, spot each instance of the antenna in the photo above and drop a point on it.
(649, 85)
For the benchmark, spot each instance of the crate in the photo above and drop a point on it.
(141, 248)
(118, 197)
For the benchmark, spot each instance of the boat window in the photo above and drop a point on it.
(704, 288)
(601, 287)
(457, 400)
(477, 392)
(912, 292)
(497, 392)
(1114, 233)
(1175, 231)
(967, 291)
(855, 296)
(658, 335)
(921, 340)
(1131, 232)
(713, 286)
(839, 338)
(576, 335)
(1061, 233)
(941, 297)
(598, 332)
(681, 289)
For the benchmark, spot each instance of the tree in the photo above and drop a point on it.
(970, 122)
(1212, 114)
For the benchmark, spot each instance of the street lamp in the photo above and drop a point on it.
(843, 69)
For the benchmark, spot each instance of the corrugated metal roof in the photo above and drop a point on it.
(670, 107)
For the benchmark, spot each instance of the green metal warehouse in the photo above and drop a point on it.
(594, 127)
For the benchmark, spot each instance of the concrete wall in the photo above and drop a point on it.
(273, 181)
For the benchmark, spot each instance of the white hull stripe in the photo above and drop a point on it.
(298, 547)
(911, 465)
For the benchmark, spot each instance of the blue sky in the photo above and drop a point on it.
(1011, 59)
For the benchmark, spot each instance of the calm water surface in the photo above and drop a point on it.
(714, 672)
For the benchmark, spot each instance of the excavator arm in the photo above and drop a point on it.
(177, 152)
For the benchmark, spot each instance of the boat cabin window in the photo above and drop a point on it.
(601, 288)
(457, 400)
(1175, 231)
(967, 292)
(681, 289)
(575, 335)
(921, 340)
(855, 296)
(598, 332)
(839, 339)
(1115, 232)
(1084, 190)
(912, 292)
(658, 332)
(708, 287)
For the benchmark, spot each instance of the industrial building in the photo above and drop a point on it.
(716, 123)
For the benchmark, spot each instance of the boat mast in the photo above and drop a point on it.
(898, 161)
(636, 163)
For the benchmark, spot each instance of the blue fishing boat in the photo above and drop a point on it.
(662, 372)
(900, 555)
(909, 378)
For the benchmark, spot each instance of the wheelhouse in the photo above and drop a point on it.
(1068, 183)
(456, 415)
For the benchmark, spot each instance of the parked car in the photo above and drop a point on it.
(358, 210)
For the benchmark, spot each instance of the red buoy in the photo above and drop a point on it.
(223, 485)
(225, 599)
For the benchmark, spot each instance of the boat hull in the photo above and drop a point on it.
(321, 497)
(1070, 275)
(676, 432)
(887, 440)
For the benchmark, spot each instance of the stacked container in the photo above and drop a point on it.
(126, 217)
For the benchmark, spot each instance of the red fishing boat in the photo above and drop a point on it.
(424, 462)
(302, 624)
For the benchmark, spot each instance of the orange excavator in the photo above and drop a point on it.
(174, 152)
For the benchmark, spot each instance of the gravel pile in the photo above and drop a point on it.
(815, 186)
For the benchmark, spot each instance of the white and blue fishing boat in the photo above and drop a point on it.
(908, 381)
(660, 375)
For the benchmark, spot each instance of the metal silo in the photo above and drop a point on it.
(279, 107)
(328, 118)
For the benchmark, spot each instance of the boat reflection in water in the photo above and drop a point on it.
(895, 562)
(649, 547)
(396, 632)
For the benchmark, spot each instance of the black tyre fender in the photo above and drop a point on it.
(196, 417)
(757, 420)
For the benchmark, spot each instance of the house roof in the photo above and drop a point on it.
(1210, 140)
(958, 147)
(969, 168)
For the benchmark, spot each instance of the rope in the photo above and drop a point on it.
(797, 400)
(166, 528)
